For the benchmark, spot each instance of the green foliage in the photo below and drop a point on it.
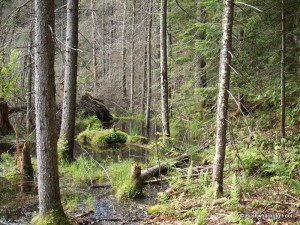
(121, 181)
(7, 165)
(9, 76)
(201, 216)
(62, 149)
(89, 202)
(87, 123)
(83, 170)
(156, 209)
(53, 218)
(72, 203)
(252, 161)
(137, 139)
(102, 137)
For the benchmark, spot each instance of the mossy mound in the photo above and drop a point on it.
(102, 137)
(53, 218)
(137, 139)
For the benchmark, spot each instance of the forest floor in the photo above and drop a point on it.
(261, 186)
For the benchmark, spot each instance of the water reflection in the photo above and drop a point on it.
(115, 153)
(19, 200)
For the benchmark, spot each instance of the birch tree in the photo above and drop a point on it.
(222, 104)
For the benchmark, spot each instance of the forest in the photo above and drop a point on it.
(171, 112)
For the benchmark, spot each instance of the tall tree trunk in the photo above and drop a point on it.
(29, 83)
(282, 69)
(222, 104)
(95, 73)
(124, 90)
(200, 73)
(164, 70)
(110, 41)
(149, 71)
(46, 139)
(103, 27)
(132, 59)
(67, 131)
(144, 87)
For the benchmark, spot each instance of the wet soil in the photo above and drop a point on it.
(19, 198)
(19, 203)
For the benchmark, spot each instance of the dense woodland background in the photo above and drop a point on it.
(119, 53)
(194, 33)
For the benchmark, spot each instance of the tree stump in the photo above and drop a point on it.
(5, 126)
(136, 180)
(26, 165)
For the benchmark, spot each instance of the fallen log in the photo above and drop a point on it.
(163, 168)
(152, 171)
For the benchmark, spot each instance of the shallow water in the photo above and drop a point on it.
(19, 200)
(19, 204)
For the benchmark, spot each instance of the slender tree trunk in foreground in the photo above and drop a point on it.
(95, 73)
(67, 131)
(144, 87)
(132, 60)
(29, 83)
(149, 71)
(222, 104)
(46, 139)
(124, 90)
(164, 70)
(200, 73)
(282, 69)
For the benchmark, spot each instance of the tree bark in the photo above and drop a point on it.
(222, 104)
(67, 131)
(164, 70)
(144, 87)
(46, 139)
(95, 73)
(110, 42)
(282, 69)
(149, 71)
(200, 73)
(5, 126)
(29, 83)
(124, 90)
(132, 59)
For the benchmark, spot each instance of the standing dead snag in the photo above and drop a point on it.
(23, 159)
(26, 165)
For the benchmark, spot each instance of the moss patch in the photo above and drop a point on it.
(137, 139)
(52, 218)
(121, 181)
(102, 137)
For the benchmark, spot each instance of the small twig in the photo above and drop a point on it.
(97, 164)
(246, 122)
(296, 199)
(56, 38)
(251, 6)
(272, 203)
